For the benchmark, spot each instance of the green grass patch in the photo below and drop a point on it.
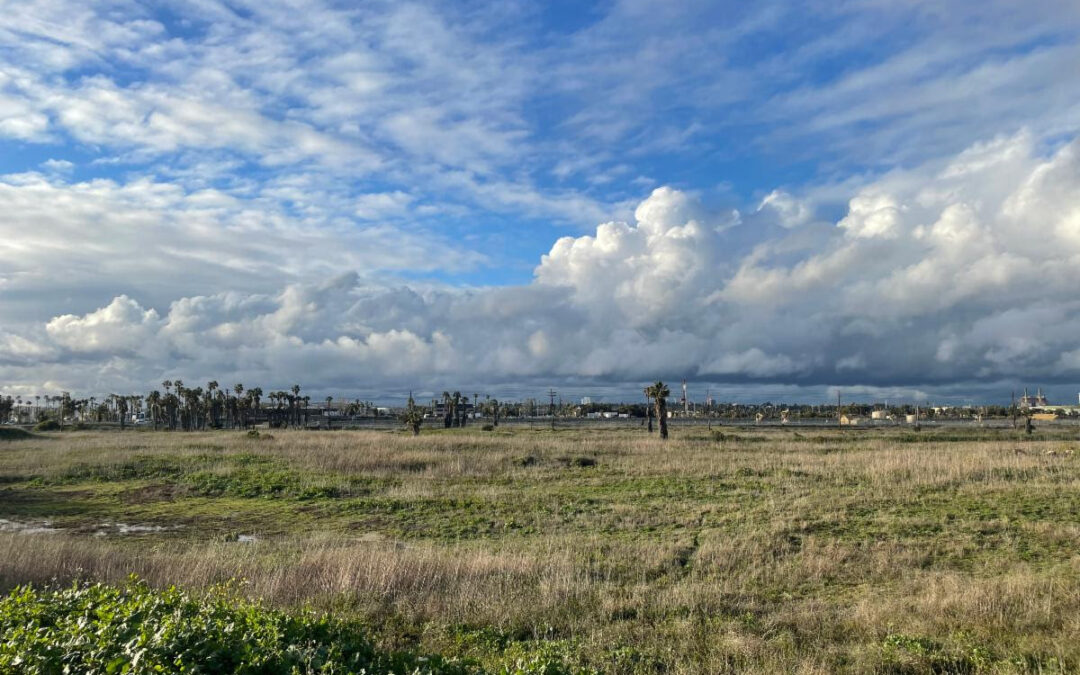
(15, 434)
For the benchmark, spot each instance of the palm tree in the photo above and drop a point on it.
(192, 397)
(447, 416)
(659, 392)
(294, 403)
(122, 409)
(413, 417)
(255, 393)
(153, 406)
(238, 389)
(181, 402)
(171, 405)
(211, 404)
(65, 407)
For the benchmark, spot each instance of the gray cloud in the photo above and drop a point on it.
(958, 273)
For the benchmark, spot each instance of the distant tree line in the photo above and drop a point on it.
(178, 407)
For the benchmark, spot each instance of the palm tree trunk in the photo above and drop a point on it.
(661, 412)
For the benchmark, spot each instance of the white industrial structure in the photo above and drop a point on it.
(1036, 401)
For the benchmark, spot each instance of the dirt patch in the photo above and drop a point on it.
(152, 493)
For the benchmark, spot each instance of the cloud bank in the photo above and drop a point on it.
(957, 273)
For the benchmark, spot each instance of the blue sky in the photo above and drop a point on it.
(215, 161)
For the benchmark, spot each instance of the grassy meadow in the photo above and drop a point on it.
(585, 550)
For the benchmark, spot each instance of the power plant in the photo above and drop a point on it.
(1036, 401)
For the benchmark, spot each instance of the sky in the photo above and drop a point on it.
(772, 200)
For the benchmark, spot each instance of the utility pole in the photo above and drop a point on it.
(838, 419)
(551, 408)
(708, 405)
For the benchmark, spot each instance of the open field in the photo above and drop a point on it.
(748, 550)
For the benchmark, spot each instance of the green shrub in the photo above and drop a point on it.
(134, 630)
(14, 434)
(580, 462)
(47, 425)
(256, 483)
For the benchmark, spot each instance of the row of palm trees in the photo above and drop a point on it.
(178, 407)
(192, 408)
(216, 407)
(455, 408)
(62, 407)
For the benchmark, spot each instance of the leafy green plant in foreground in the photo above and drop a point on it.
(135, 629)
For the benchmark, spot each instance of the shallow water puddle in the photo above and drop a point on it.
(99, 530)
(105, 529)
(42, 527)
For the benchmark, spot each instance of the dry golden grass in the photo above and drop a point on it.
(761, 552)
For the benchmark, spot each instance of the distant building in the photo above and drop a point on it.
(441, 408)
(849, 420)
(586, 400)
(1036, 401)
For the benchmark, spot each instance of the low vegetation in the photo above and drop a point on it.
(739, 550)
(134, 629)
(14, 433)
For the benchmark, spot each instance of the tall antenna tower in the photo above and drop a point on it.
(685, 402)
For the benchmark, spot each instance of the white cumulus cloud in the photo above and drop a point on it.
(934, 275)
